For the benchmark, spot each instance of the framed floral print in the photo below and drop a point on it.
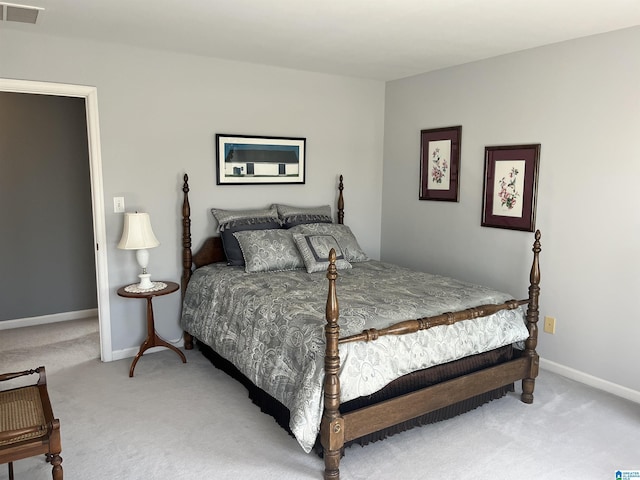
(510, 184)
(440, 163)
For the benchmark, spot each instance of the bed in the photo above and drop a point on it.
(415, 348)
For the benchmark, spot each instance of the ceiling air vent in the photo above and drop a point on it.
(12, 12)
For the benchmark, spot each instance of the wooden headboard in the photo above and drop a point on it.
(211, 250)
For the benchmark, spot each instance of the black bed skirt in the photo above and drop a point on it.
(406, 384)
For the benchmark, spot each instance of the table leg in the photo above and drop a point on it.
(152, 340)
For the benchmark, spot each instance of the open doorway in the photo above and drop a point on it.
(89, 94)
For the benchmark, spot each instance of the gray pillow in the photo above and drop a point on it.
(230, 243)
(231, 218)
(315, 251)
(290, 216)
(343, 235)
(269, 250)
(231, 221)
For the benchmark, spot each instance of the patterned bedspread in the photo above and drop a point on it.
(271, 327)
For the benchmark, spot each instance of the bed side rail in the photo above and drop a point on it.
(411, 326)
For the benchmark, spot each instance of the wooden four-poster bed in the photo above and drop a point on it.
(422, 395)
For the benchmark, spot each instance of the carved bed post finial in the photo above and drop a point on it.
(332, 426)
(528, 384)
(340, 202)
(187, 257)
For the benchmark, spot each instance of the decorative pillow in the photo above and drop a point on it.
(315, 251)
(291, 216)
(269, 250)
(230, 221)
(343, 235)
(230, 243)
(231, 218)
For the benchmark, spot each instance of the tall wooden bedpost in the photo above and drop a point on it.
(332, 426)
(187, 258)
(528, 384)
(340, 202)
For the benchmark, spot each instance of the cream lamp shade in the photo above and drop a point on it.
(137, 235)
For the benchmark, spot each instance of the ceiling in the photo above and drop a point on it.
(377, 39)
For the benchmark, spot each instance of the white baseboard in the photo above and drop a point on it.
(45, 319)
(132, 351)
(590, 380)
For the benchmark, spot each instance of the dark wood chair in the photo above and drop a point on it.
(27, 425)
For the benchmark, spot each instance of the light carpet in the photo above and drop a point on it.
(191, 421)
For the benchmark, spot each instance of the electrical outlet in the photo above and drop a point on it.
(550, 325)
(118, 204)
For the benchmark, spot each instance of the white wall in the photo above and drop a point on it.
(581, 101)
(159, 113)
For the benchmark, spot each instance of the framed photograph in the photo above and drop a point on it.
(440, 163)
(510, 184)
(244, 159)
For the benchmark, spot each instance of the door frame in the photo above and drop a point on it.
(90, 95)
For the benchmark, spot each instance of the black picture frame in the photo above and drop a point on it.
(251, 160)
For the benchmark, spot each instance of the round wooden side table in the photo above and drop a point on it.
(152, 340)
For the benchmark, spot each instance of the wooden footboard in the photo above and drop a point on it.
(337, 428)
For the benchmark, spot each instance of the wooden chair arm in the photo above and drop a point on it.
(10, 376)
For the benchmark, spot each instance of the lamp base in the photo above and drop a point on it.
(145, 281)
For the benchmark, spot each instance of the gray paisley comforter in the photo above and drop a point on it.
(270, 326)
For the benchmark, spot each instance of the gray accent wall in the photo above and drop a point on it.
(159, 113)
(581, 101)
(47, 248)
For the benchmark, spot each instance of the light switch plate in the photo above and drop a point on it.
(118, 204)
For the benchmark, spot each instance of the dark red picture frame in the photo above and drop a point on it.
(440, 163)
(510, 186)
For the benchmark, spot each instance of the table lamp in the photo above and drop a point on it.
(137, 235)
